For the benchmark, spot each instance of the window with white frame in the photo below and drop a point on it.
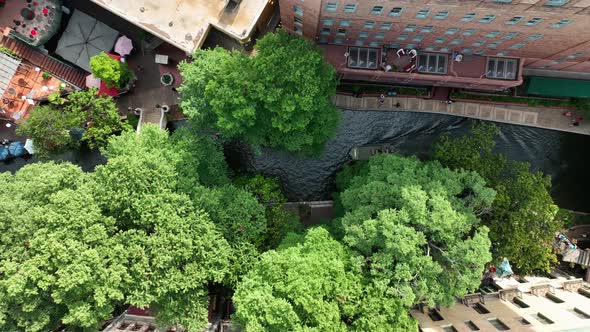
(561, 23)
(469, 32)
(427, 28)
(328, 21)
(350, 8)
(298, 21)
(377, 10)
(502, 68)
(488, 18)
(494, 44)
(363, 34)
(517, 46)
(440, 40)
(510, 35)
(514, 20)
(331, 7)
(345, 23)
(556, 3)
(493, 34)
(362, 57)
(418, 38)
(432, 63)
(386, 26)
(468, 17)
(441, 15)
(297, 10)
(451, 31)
(423, 13)
(534, 37)
(533, 21)
(380, 35)
(410, 28)
(396, 11)
(456, 41)
(369, 25)
(325, 31)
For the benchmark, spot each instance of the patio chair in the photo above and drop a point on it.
(413, 53)
(401, 52)
(411, 69)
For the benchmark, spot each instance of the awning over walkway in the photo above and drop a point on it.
(558, 87)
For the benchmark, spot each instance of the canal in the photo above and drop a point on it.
(563, 156)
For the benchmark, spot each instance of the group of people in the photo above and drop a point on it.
(382, 101)
(575, 121)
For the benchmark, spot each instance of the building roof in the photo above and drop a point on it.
(8, 66)
(185, 23)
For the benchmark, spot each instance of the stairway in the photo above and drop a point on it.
(74, 76)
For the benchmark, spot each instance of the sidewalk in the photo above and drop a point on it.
(540, 117)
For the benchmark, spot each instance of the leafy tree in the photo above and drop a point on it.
(278, 98)
(112, 72)
(522, 219)
(279, 221)
(58, 259)
(51, 126)
(415, 226)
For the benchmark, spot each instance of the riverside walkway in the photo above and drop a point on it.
(540, 117)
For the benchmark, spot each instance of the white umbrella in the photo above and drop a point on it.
(29, 146)
(123, 46)
(92, 82)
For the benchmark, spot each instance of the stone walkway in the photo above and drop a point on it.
(540, 117)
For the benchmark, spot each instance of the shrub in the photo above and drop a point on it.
(111, 71)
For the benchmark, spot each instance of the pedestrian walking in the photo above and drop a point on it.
(381, 100)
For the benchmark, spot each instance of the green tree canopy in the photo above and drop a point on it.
(112, 72)
(279, 98)
(313, 283)
(51, 126)
(522, 219)
(416, 228)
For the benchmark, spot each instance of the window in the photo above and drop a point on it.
(433, 63)
(498, 324)
(338, 41)
(418, 38)
(341, 32)
(579, 313)
(533, 21)
(539, 316)
(423, 13)
(471, 325)
(430, 48)
(510, 35)
(501, 68)
(361, 57)
(394, 45)
(575, 55)
(556, 3)
(377, 10)
(514, 20)
(386, 26)
(480, 52)
(374, 44)
(535, 37)
(456, 41)
(440, 40)
(363, 34)
(480, 309)
(396, 11)
(479, 43)
(410, 28)
(487, 18)
(298, 21)
(451, 31)
(554, 298)
(517, 46)
(449, 328)
(331, 7)
(503, 1)
(369, 25)
(298, 30)
(359, 42)
(468, 17)
(380, 35)
(493, 34)
(441, 15)
(297, 10)
(469, 32)
(323, 40)
(410, 46)
(350, 8)
(561, 23)
(328, 21)
(325, 31)
(428, 28)
(494, 44)
(402, 37)
(467, 50)
(503, 53)
(345, 23)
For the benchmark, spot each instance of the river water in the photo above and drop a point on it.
(563, 156)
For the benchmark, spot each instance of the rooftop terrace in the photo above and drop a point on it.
(185, 23)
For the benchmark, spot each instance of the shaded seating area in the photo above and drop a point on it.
(398, 60)
(84, 38)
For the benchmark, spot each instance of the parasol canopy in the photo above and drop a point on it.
(29, 146)
(84, 38)
(16, 149)
(123, 46)
(92, 82)
(3, 153)
(504, 269)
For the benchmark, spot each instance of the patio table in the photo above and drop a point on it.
(402, 61)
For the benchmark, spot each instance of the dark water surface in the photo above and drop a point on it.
(563, 156)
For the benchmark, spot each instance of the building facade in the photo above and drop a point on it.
(536, 36)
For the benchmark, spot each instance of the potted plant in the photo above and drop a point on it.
(167, 79)
(46, 75)
(111, 71)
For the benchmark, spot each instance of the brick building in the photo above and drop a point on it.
(499, 40)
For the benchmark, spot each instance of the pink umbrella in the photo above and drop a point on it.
(123, 46)
(92, 82)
